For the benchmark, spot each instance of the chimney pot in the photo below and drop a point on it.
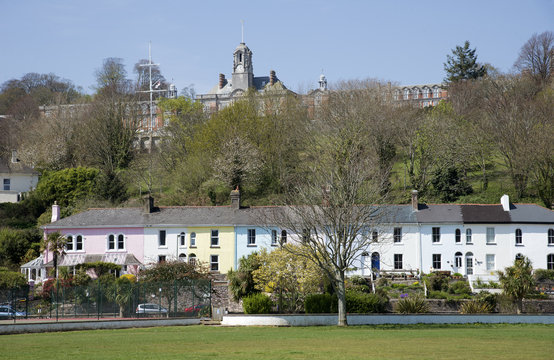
(272, 77)
(415, 203)
(235, 198)
(148, 204)
(55, 212)
(505, 201)
(14, 156)
(221, 81)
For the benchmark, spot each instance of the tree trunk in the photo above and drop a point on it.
(341, 294)
(56, 265)
(519, 304)
(121, 310)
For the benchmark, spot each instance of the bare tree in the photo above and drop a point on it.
(536, 57)
(328, 210)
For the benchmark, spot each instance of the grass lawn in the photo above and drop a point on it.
(360, 342)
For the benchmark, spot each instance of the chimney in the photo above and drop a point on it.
(272, 77)
(235, 198)
(55, 212)
(148, 204)
(221, 81)
(505, 201)
(415, 204)
(14, 156)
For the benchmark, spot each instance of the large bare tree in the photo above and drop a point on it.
(536, 57)
(330, 209)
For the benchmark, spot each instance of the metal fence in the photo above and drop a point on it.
(56, 300)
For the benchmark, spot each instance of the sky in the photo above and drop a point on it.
(405, 42)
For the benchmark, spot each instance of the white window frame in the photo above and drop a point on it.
(214, 265)
(458, 236)
(415, 94)
(397, 235)
(76, 242)
(251, 237)
(164, 238)
(550, 237)
(274, 239)
(192, 259)
(491, 236)
(436, 93)
(192, 240)
(283, 236)
(214, 238)
(519, 237)
(436, 234)
(69, 242)
(182, 239)
(406, 94)
(7, 184)
(550, 262)
(398, 262)
(437, 259)
(490, 262)
(469, 236)
(114, 242)
(426, 93)
(458, 259)
(117, 243)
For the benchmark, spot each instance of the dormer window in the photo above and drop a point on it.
(406, 94)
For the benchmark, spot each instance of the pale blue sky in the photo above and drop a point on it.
(401, 41)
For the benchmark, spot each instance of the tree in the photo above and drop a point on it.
(517, 281)
(143, 79)
(463, 65)
(66, 186)
(172, 276)
(11, 279)
(328, 208)
(450, 184)
(121, 291)
(536, 57)
(287, 275)
(55, 244)
(241, 281)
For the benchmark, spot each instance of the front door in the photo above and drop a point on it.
(375, 262)
(469, 264)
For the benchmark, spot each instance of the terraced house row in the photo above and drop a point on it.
(466, 239)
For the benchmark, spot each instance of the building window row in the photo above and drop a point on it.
(74, 243)
(116, 242)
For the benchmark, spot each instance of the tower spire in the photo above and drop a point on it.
(242, 31)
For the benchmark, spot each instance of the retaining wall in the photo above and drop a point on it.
(379, 319)
(93, 325)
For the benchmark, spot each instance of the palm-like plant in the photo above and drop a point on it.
(121, 292)
(517, 281)
(55, 243)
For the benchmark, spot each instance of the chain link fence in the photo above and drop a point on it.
(56, 300)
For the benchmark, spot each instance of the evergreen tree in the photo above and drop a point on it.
(463, 65)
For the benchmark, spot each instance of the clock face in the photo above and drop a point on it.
(240, 68)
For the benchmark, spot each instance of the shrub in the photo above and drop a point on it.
(363, 303)
(320, 303)
(476, 307)
(132, 278)
(437, 282)
(459, 287)
(491, 299)
(257, 304)
(438, 295)
(412, 305)
(543, 274)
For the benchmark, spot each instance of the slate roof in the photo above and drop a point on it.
(6, 166)
(229, 216)
(194, 216)
(442, 213)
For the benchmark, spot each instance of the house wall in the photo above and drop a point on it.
(263, 240)
(172, 248)
(225, 250)
(95, 241)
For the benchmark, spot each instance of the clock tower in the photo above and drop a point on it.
(243, 74)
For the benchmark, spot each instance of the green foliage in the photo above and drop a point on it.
(517, 281)
(450, 184)
(168, 271)
(110, 186)
(241, 281)
(437, 282)
(363, 303)
(412, 305)
(121, 291)
(257, 304)
(14, 245)
(543, 274)
(476, 307)
(320, 303)
(11, 279)
(100, 268)
(462, 65)
(459, 287)
(66, 186)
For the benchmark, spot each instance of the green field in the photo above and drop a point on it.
(360, 342)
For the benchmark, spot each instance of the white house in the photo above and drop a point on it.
(15, 179)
